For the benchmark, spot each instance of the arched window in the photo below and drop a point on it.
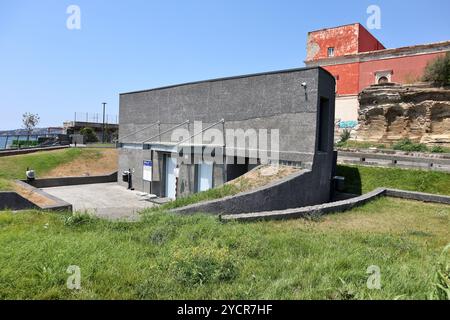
(382, 80)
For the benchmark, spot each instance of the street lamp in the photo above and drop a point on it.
(103, 126)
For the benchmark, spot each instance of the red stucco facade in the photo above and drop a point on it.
(347, 77)
(358, 59)
(404, 69)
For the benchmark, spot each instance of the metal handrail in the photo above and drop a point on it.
(140, 130)
(168, 130)
(203, 130)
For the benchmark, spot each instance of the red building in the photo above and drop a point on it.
(357, 60)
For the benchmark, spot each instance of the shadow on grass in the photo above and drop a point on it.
(352, 179)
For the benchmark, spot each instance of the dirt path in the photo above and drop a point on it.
(100, 162)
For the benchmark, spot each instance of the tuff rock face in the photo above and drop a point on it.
(391, 112)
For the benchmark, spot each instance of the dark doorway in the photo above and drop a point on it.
(324, 125)
(237, 169)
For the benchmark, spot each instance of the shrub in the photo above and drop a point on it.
(345, 135)
(24, 143)
(438, 71)
(437, 149)
(89, 134)
(77, 219)
(408, 145)
(203, 265)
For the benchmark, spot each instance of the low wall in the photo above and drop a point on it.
(58, 204)
(419, 196)
(14, 201)
(14, 152)
(293, 191)
(71, 181)
(337, 206)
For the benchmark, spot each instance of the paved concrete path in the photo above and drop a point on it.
(105, 200)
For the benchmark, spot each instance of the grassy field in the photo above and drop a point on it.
(198, 257)
(14, 167)
(359, 179)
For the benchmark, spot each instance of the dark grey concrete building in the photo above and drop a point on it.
(294, 107)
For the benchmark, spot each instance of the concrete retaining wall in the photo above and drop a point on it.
(298, 190)
(338, 206)
(58, 204)
(419, 196)
(70, 181)
(15, 152)
(14, 201)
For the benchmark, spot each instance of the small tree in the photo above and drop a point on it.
(30, 121)
(438, 71)
(89, 134)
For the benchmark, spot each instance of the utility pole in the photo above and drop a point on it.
(103, 126)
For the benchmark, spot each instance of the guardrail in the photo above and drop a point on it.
(436, 162)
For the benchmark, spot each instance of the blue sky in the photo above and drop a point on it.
(130, 45)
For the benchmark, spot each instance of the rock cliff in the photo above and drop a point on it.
(391, 112)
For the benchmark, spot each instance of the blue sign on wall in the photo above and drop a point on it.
(147, 170)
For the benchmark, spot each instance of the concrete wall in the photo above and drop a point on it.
(347, 108)
(270, 100)
(14, 201)
(305, 188)
(71, 181)
(274, 100)
(6, 153)
(338, 206)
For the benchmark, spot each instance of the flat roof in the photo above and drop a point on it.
(227, 78)
(336, 27)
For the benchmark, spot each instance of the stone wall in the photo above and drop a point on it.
(391, 112)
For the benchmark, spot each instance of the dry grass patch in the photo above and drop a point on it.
(95, 163)
(262, 176)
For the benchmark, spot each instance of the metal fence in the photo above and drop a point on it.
(96, 117)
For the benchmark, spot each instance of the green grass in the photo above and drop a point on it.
(14, 167)
(197, 257)
(101, 145)
(359, 145)
(167, 256)
(211, 194)
(402, 145)
(359, 179)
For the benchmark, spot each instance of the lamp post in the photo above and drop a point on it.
(103, 123)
